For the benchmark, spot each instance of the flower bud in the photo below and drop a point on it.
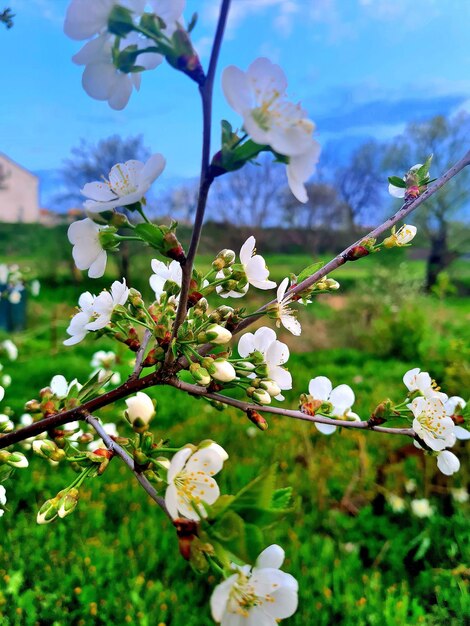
(357, 252)
(6, 425)
(258, 420)
(68, 503)
(32, 406)
(200, 374)
(107, 238)
(261, 396)
(135, 298)
(222, 370)
(215, 334)
(270, 386)
(13, 459)
(224, 258)
(405, 234)
(48, 512)
(244, 365)
(140, 410)
(332, 284)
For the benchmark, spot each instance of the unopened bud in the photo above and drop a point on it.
(270, 386)
(32, 406)
(224, 258)
(68, 503)
(222, 370)
(257, 419)
(215, 334)
(357, 252)
(13, 459)
(200, 374)
(135, 298)
(6, 425)
(140, 410)
(48, 512)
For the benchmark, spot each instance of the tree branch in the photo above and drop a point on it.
(206, 177)
(81, 412)
(116, 449)
(341, 258)
(197, 390)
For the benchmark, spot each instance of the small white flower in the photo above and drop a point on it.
(399, 192)
(2, 393)
(15, 296)
(10, 348)
(405, 234)
(6, 380)
(255, 270)
(35, 288)
(261, 596)
(341, 398)
(104, 304)
(431, 423)
(128, 183)
(284, 313)
(61, 388)
(78, 324)
(416, 380)
(396, 503)
(104, 359)
(460, 495)
(87, 250)
(191, 482)
(164, 273)
(275, 353)
(422, 508)
(447, 462)
(140, 407)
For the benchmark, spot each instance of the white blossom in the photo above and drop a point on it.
(261, 596)
(2, 393)
(87, 251)
(275, 354)
(10, 348)
(103, 359)
(127, 183)
(86, 18)
(61, 388)
(422, 508)
(399, 192)
(191, 482)
(285, 315)
(447, 462)
(396, 503)
(163, 273)
(78, 324)
(454, 405)
(460, 495)
(254, 267)
(259, 96)
(416, 380)
(405, 234)
(341, 398)
(105, 303)
(431, 423)
(222, 370)
(140, 407)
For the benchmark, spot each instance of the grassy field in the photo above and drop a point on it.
(115, 560)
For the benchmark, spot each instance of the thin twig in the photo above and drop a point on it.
(197, 390)
(140, 355)
(116, 449)
(341, 258)
(206, 177)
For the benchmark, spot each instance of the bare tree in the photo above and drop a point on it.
(249, 196)
(444, 138)
(180, 202)
(6, 17)
(323, 208)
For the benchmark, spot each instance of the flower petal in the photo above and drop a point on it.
(320, 388)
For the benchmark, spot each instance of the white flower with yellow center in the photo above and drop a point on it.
(191, 482)
(416, 380)
(127, 184)
(431, 423)
(260, 596)
(422, 508)
(282, 311)
(405, 234)
(341, 399)
(105, 303)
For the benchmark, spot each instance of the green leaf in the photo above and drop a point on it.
(91, 388)
(308, 271)
(120, 21)
(424, 169)
(397, 182)
(282, 498)
(227, 132)
(151, 234)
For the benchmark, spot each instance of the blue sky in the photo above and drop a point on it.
(361, 67)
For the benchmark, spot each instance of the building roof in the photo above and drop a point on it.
(17, 165)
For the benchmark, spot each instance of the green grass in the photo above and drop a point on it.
(115, 560)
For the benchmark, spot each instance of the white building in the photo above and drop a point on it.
(19, 193)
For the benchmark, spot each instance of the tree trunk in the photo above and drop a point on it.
(439, 257)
